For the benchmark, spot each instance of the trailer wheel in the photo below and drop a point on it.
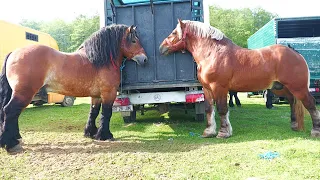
(199, 117)
(199, 107)
(38, 103)
(131, 118)
(67, 101)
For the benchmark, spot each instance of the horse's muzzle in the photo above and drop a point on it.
(164, 50)
(141, 59)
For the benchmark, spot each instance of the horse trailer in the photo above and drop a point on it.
(14, 36)
(300, 33)
(165, 81)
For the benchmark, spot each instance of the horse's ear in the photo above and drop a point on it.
(132, 28)
(180, 23)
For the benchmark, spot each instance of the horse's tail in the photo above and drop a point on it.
(298, 106)
(299, 113)
(289, 46)
(5, 89)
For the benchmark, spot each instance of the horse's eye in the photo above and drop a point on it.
(174, 33)
(134, 41)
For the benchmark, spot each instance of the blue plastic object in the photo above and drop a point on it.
(269, 155)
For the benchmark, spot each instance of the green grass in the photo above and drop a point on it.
(159, 146)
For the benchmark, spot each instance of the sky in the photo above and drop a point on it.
(16, 10)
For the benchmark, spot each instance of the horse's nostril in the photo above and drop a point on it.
(145, 60)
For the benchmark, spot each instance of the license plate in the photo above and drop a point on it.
(122, 108)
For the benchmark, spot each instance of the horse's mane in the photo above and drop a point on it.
(104, 44)
(203, 30)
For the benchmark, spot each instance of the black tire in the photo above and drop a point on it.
(38, 103)
(132, 118)
(68, 101)
(275, 100)
(199, 117)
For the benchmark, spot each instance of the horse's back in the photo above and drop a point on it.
(30, 64)
(32, 54)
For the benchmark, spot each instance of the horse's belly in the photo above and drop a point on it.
(73, 89)
(251, 85)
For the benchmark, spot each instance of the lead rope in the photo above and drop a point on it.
(121, 68)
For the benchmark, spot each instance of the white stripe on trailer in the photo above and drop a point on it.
(159, 97)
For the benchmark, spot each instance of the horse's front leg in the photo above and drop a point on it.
(209, 109)
(91, 128)
(104, 132)
(222, 108)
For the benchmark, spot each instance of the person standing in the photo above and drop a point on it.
(235, 95)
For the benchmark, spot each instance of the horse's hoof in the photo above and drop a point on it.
(315, 133)
(20, 141)
(89, 136)
(209, 132)
(206, 135)
(223, 135)
(15, 150)
(112, 139)
(294, 126)
(100, 139)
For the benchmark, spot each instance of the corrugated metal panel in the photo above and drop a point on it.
(176, 70)
(264, 36)
(131, 2)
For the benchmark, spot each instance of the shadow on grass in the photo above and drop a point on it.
(251, 122)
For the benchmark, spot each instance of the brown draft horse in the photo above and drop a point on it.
(224, 66)
(93, 70)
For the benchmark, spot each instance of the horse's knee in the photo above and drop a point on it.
(222, 110)
(207, 107)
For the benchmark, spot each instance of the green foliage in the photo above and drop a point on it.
(69, 36)
(60, 31)
(31, 24)
(239, 24)
(83, 27)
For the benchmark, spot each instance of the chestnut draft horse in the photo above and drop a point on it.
(224, 66)
(93, 70)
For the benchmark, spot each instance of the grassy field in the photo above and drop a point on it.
(160, 146)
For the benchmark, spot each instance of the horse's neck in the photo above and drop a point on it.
(203, 48)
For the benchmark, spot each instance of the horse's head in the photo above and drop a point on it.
(176, 41)
(131, 47)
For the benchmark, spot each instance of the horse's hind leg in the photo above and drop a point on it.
(291, 100)
(91, 128)
(310, 104)
(12, 111)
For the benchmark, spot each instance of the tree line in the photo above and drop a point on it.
(239, 24)
(236, 24)
(69, 36)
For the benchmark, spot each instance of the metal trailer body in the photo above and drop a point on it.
(163, 80)
(301, 33)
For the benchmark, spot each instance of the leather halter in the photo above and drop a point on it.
(181, 41)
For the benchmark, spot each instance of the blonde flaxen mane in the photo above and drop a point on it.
(203, 30)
